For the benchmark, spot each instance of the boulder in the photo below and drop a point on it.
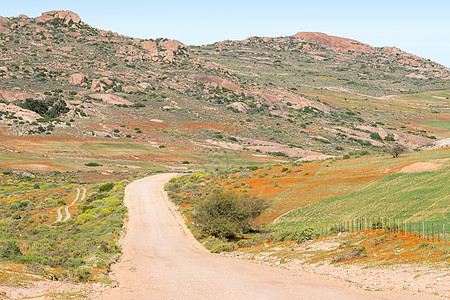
(97, 85)
(151, 47)
(239, 106)
(169, 56)
(382, 133)
(22, 16)
(172, 45)
(145, 85)
(77, 78)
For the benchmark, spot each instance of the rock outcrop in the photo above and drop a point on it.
(170, 47)
(111, 99)
(334, 43)
(65, 16)
(11, 96)
(24, 114)
(3, 29)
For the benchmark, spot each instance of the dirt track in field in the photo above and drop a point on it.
(162, 260)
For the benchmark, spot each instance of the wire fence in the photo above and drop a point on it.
(430, 231)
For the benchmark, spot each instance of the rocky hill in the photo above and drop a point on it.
(307, 96)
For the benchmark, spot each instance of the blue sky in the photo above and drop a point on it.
(418, 27)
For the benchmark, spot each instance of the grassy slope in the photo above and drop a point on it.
(419, 196)
(335, 190)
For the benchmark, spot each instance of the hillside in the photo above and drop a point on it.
(305, 96)
(302, 120)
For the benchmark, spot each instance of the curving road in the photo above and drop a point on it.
(162, 260)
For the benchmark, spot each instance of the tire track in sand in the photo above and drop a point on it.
(68, 215)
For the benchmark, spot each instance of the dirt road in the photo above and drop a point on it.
(162, 260)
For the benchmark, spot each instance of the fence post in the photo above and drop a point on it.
(439, 238)
(423, 230)
(406, 227)
(443, 231)
(427, 233)
(432, 231)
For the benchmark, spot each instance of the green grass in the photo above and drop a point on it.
(436, 124)
(118, 148)
(431, 97)
(423, 196)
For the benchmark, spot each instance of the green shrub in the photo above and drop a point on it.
(346, 156)
(364, 152)
(92, 164)
(106, 187)
(227, 214)
(216, 245)
(251, 242)
(83, 274)
(375, 136)
(10, 251)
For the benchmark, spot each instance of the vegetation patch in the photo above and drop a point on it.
(81, 248)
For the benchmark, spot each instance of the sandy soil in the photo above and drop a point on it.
(162, 260)
(68, 215)
(424, 279)
(66, 209)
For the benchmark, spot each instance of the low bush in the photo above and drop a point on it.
(354, 252)
(299, 236)
(227, 214)
(216, 245)
(251, 242)
(10, 251)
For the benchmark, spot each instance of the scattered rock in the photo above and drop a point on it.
(217, 81)
(130, 89)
